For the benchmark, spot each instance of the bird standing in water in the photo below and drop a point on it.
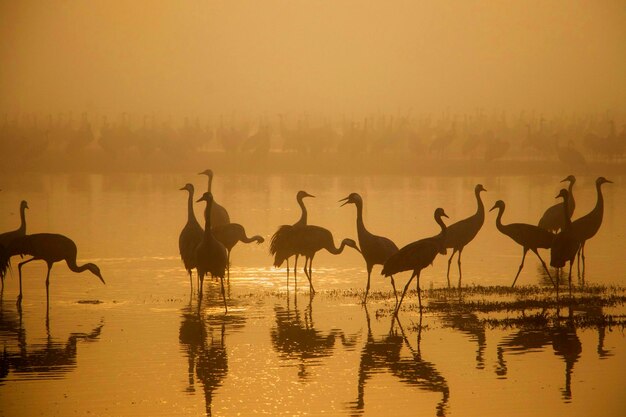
(7, 237)
(417, 256)
(50, 248)
(375, 249)
(565, 244)
(459, 234)
(310, 240)
(190, 236)
(229, 235)
(210, 254)
(219, 215)
(283, 242)
(529, 236)
(552, 219)
(587, 226)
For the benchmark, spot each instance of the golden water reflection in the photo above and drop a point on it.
(280, 352)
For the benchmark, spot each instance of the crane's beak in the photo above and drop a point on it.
(493, 208)
(309, 195)
(182, 189)
(345, 200)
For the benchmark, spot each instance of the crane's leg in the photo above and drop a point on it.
(223, 295)
(48, 286)
(406, 287)
(228, 265)
(19, 270)
(578, 261)
(295, 269)
(459, 262)
(449, 263)
(306, 272)
(311, 275)
(190, 281)
(200, 284)
(520, 267)
(570, 279)
(393, 285)
(367, 289)
(419, 291)
(287, 273)
(582, 250)
(544, 265)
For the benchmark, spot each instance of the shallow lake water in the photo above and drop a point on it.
(143, 345)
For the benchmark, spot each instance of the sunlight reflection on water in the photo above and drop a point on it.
(141, 345)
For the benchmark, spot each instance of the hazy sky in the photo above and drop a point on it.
(254, 57)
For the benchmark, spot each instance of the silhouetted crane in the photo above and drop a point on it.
(552, 219)
(587, 226)
(461, 233)
(417, 256)
(219, 215)
(375, 249)
(311, 239)
(50, 248)
(8, 237)
(565, 245)
(529, 236)
(190, 236)
(231, 233)
(210, 254)
(282, 244)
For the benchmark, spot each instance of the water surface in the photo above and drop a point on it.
(142, 344)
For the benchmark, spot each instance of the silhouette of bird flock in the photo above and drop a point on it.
(208, 250)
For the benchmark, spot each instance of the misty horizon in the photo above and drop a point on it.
(325, 59)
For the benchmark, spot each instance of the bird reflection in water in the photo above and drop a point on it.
(50, 360)
(295, 337)
(385, 355)
(202, 340)
(468, 324)
(563, 338)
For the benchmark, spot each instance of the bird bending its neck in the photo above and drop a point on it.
(303, 216)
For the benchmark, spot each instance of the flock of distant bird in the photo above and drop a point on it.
(208, 250)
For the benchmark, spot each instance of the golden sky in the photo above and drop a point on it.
(340, 56)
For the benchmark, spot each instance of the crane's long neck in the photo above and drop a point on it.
(191, 217)
(207, 218)
(360, 226)
(480, 210)
(599, 208)
(23, 220)
(499, 224)
(303, 215)
(336, 251)
(210, 182)
(71, 263)
(570, 199)
(568, 220)
(444, 228)
(255, 238)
